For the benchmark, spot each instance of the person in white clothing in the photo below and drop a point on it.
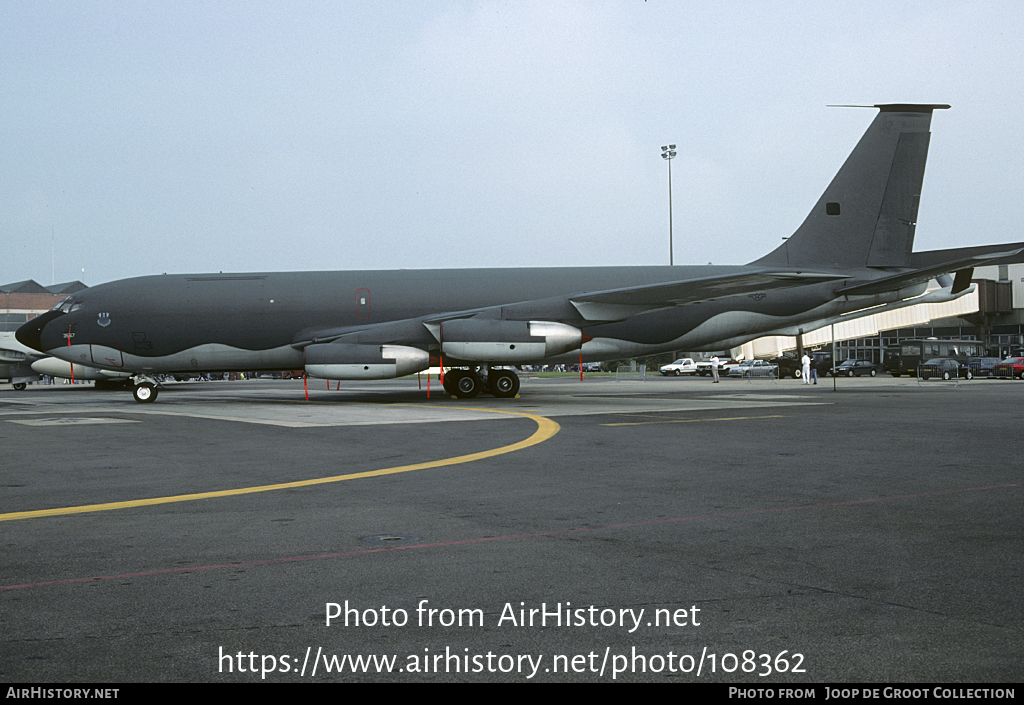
(805, 362)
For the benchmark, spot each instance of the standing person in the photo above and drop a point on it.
(714, 368)
(805, 363)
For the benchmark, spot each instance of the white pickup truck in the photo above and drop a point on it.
(683, 366)
(724, 365)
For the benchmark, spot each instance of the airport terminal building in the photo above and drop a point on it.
(27, 299)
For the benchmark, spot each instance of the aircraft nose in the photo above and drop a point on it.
(31, 333)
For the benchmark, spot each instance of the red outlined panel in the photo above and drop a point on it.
(104, 355)
(363, 304)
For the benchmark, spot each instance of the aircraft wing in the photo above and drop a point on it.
(619, 304)
(963, 267)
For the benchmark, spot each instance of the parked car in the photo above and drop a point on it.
(724, 365)
(754, 368)
(682, 366)
(983, 366)
(1010, 368)
(728, 365)
(789, 366)
(944, 367)
(822, 363)
(857, 368)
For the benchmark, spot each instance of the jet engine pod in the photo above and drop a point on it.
(62, 368)
(349, 361)
(488, 340)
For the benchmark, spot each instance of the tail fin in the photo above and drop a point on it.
(867, 215)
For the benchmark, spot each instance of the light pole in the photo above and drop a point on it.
(667, 153)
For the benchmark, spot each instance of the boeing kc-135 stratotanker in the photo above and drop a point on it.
(853, 252)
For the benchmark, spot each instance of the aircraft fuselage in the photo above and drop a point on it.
(215, 322)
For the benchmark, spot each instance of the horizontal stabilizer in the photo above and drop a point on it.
(618, 304)
(926, 258)
(920, 276)
(937, 296)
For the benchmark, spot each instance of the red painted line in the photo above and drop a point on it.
(305, 377)
(511, 537)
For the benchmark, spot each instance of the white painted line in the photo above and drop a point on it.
(69, 421)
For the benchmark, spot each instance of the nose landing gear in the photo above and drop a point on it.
(145, 389)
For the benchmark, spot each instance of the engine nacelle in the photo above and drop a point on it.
(487, 340)
(351, 361)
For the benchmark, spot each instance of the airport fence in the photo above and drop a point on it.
(758, 373)
(633, 372)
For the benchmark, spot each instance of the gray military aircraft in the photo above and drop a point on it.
(16, 362)
(853, 252)
(23, 365)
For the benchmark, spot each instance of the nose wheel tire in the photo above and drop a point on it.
(144, 393)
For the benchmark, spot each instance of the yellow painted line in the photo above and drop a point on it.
(546, 428)
(730, 418)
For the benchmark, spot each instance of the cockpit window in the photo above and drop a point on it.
(67, 305)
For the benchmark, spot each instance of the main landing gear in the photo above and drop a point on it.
(145, 389)
(466, 384)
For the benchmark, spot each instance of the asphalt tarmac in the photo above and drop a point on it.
(668, 530)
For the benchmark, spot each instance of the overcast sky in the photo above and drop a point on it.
(183, 136)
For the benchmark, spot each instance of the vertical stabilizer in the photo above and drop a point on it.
(867, 215)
